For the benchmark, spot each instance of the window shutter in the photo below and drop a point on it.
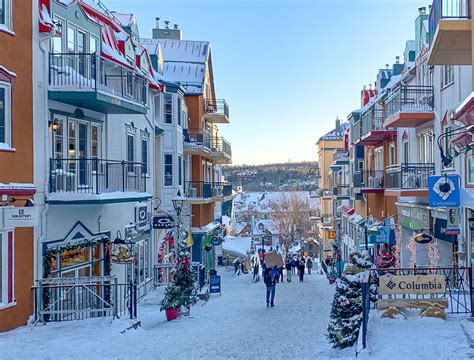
(10, 266)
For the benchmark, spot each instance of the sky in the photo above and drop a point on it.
(287, 68)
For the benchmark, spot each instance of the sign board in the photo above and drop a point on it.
(141, 216)
(411, 284)
(215, 284)
(216, 240)
(441, 231)
(19, 216)
(121, 255)
(453, 226)
(163, 222)
(444, 191)
(423, 238)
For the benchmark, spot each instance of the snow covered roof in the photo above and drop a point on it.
(267, 224)
(185, 61)
(237, 245)
(238, 227)
(385, 74)
(335, 135)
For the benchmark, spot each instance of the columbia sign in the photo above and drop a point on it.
(412, 284)
(444, 191)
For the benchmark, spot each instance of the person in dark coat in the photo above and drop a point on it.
(309, 265)
(269, 278)
(281, 273)
(301, 266)
(294, 263)
(256, 278)
(288, 270)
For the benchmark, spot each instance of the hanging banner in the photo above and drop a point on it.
(163, 222)
(444, 191)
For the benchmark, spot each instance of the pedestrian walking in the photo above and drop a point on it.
(256, 276)
(237, 267)
(293, 265)
(269, 279)
(309, 265)
(289, 270)
(281, 273)
(301, 266)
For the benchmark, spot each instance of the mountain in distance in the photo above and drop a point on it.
(288, 176)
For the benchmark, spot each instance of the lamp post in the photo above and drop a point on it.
(178, 202)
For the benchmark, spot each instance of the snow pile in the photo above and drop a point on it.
(237, 245)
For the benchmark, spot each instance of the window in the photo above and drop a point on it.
(391, 154)
(5, 14)
(425, 147)
(6, 268)
(406, 154)
(179, 111)
(5, 114)
(130, 151)
(168, 109)
(379, 159)
(93, 45)
(71, 39)
(144, 156)
(180, 171)
(57, 41)
(168, 170)
(470, 170)
(447, 76)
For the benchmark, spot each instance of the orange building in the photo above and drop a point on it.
(16, 164)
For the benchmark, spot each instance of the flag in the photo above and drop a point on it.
(190, 240)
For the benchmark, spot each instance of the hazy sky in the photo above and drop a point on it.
(287, 68)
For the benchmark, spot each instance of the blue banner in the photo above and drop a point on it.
(440, 231)
(444, 191)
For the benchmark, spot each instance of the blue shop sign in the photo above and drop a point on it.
(440, 227)
(215, 284)
(444, 191)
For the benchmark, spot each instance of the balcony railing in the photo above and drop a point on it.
(342, 190)
(340, 154)
(81, 71)
(372, 120)
(218, 107)
(447, 9)
(408, 176)
(411, 98)
(207, 189)
(325, 193)
(96, 176)
(369, 179)
(326, 219)
(221, 145)
(197, 137)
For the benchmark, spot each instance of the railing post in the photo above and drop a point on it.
(123, 175)
(97, 176)
(50, 175)
(471, 289)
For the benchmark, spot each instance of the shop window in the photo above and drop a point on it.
(168, 170)
(5, 14)
(168, 109)
(5, 114)
(6, 268)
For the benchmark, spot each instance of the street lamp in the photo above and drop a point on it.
(178, 202)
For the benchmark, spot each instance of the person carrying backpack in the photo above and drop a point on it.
(269, 278)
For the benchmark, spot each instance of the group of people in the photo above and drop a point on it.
(298, 265)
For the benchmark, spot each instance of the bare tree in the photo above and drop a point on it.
(291, 213)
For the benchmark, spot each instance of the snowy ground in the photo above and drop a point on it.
(236, 325)
(420, 338)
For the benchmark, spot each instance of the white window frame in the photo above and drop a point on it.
(8, 23)
(165, 112)
(5, 281)
(8, 114)
(425, 147)
(405, 151)
(391, 154)
(468, 172)
(145, 136)
(447, 75)
(164, 170)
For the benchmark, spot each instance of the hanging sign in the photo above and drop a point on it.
(441, 233)
(444, 191)
(216, 241)
(452, 226)
(19, 216)
(423, 238)
(121, 255)
(163, 222)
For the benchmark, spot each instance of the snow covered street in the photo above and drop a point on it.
(236, 325)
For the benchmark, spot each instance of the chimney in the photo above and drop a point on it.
(166, 32)
(422, 10)
(364, 87)
(338, 124)
(397, 59)
(386, 66)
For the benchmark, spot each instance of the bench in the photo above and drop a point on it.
(414, 285)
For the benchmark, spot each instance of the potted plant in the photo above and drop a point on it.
(172, 301)
(332, 277)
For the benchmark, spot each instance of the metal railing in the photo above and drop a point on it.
(206, 189)
(325, 193)
(95, 176)
(408, 175)
(197, 137)
(326, 219)
(413, 98)
(82, 71)
(342, 190)
(219, 107)
(370, 179)
(65, 299)
(447, 9)
(340, 154)
(372, 119)
(219, 144)
(356, 131)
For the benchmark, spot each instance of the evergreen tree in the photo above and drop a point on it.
(346, 311)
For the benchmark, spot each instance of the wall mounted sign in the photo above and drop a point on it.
(444, 191)
(453, 227)
(412, 284)
(121, 255)
(216, 241)
(423, 238)
(19, 216)
(141, 216)
(163, 222)
(441, 233)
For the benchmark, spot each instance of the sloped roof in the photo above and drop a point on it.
(335, 135)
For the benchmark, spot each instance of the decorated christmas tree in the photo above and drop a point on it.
(346, 311)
